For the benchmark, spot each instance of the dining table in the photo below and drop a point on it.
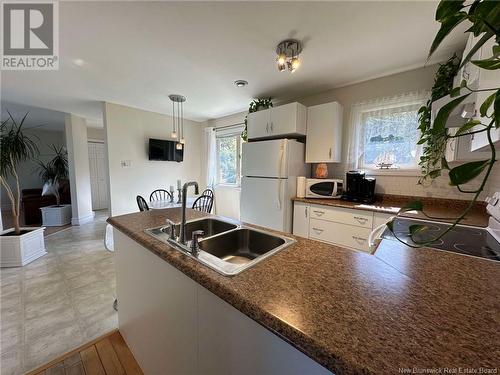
(161, 204)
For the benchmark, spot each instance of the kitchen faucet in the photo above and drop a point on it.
(182, 235)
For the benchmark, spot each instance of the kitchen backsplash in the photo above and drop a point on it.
(408, 185)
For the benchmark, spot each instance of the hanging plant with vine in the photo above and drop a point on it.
(483, 17)
(255, 106)
(434, 146)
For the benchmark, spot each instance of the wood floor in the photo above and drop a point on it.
(107, 355)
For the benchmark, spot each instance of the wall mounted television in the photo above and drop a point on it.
(160, 149)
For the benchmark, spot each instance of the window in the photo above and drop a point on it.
(386, 135)
(229, 159)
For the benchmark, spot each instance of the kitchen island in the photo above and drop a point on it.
(348, 312)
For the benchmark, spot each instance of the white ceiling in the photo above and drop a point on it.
(136, 53)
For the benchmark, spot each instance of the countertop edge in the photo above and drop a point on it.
(284, 331)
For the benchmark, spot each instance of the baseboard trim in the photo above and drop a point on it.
(83, 219)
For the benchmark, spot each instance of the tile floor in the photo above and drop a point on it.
(59, 301)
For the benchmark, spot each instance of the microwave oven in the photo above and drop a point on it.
(323, 188)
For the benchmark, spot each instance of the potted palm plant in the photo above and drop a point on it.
(19, 245)
(51, 173)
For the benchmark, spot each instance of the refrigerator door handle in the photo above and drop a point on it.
(280, 168)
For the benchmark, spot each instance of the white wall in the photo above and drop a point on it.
(28, 171)
(79, 172)
(127, 134)
(96, 134)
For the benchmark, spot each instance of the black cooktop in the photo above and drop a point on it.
(473, 241)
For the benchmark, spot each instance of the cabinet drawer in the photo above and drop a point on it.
(348, 216)
(340, 234)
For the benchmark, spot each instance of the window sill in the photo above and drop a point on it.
(228, 186)
(394, 172)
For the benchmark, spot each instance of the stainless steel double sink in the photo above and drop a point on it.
(226, 246)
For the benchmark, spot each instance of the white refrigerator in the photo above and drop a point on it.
(269, 177)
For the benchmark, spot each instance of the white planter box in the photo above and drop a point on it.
(16, 251)
(54, 216)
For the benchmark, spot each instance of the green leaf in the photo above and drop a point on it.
(455, 92)
(416, 228)
(448, 8)
(489, 64)
(447, 25)
(496, 108)
(444, 113)
(467, 172)
(390, 225)
(435, 173)
(412, 206)
(483, 110)
(467, 126)
(496, 50)
(476, 47)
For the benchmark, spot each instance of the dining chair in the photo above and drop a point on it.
(208, 192)
(203, 203)
(141, 202)
(160, 195)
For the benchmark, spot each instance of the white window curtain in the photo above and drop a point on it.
(210, 157)
(380, 106)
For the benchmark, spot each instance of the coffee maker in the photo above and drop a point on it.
(359, 188)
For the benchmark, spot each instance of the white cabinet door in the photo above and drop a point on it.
(301, 219)
(288, 119)
(487, 79)
(479, 142)
(232, 343)
(324, 133)
(258, 124)
(158, 309)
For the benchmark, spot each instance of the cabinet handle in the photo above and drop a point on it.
(271, 126)
(358, 239)
(267, 128)
(318, 230)
(361, 219)
(330, 153)
(306, 212)
(319, 213)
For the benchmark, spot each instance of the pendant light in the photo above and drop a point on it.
(178, 119)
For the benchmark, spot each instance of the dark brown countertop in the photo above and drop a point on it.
(444, 209)
(353, 312)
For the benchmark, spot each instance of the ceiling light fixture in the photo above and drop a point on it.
(240, 83)
(288, 52)
(79, 62)
(178, 119)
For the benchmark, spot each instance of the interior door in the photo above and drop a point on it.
(98, 176)
(262, 202)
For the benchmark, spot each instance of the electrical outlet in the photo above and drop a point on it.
(126, 163)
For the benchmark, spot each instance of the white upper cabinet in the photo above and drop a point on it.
(324, 133)
(285, 120)
(258, 124)
(485, 79)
